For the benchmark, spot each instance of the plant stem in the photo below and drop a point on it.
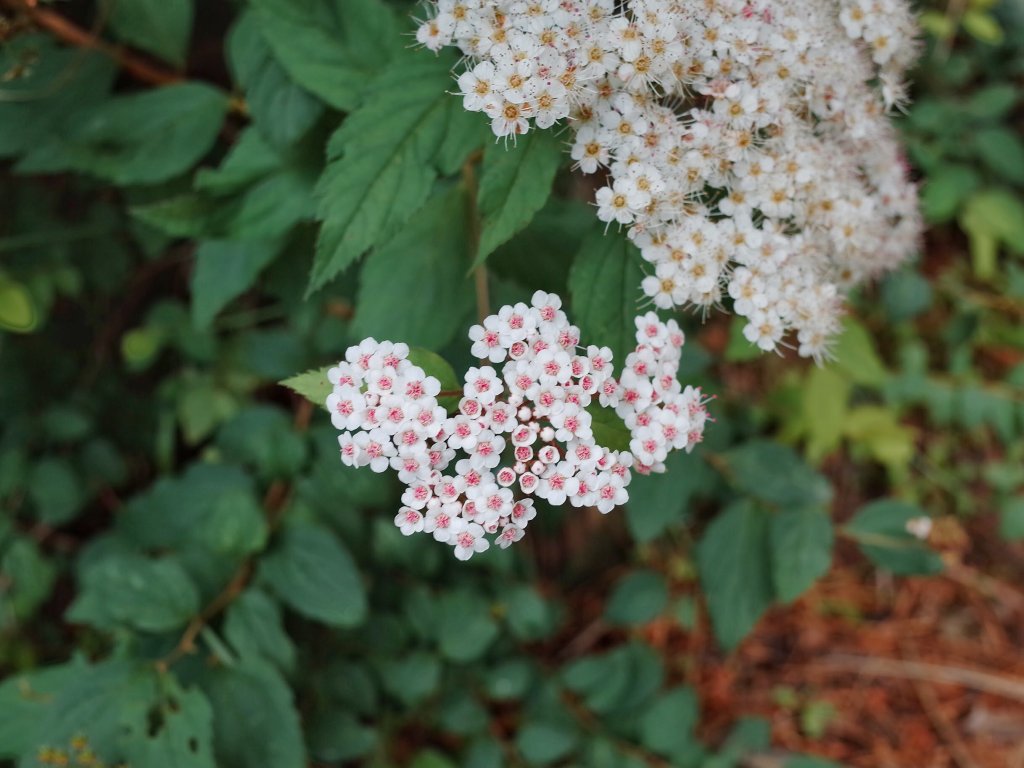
(483, 297)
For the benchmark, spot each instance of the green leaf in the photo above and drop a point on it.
(992, 102)
(178, 734)
(153, 595)
(638, 598)
(465, 625)
(735, 570)
(825, 401)
(1011, 518)
(1002, 151)
(427, 259)
(334, 48)
(808, 761)
(28, 577)
(801, 541)
(314, 574)
(255, 717)
(141, 138)
(25, 698)
(605, 289)
(856, 356)
(667, 727)
(128, 712)
(657, 501)
(337, 736)
(528, 614)
(514, 184)
(412, 677)
(263, 436)
(435, 365)
(990, 218)
(906, 294)
(225, 270)
(379, 168)
(610, 431)
(254, 628)
(17, 310)
(55, 490)
(73, 80)
(880, 529)
(542, 742)
(775, 473)
(948, 185)
(161, 27)
(983, 26)
(282, 111)
(312, 385)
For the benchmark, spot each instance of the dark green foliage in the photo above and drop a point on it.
(189, 577)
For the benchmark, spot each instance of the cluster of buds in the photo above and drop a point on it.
(745, 142)
(520, 433)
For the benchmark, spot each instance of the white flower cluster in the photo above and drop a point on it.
(519, 433)
(745, 142)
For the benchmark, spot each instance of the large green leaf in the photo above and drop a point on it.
(657, 501)
(162, 27)
(734, 562)
(427, 260)
(775, 473)
(380, 162)
(465, 625)
(314, 574)
(24, 699)
(667, 726)
(141, 138)
(255, 720)
(282, 111)
(801, 541)
(515, 182)
(605, 287)
(153, 595)
(333, 48)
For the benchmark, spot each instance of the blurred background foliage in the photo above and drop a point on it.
(188, 576)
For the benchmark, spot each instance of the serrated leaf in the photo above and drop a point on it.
(315, 575)
(312, 385)
(801, 542)
(379, 171)
(605, 287)
(25, 697)
(333, 48)
(426, 259)
(162, 27)
(515, 182)
(735, 571)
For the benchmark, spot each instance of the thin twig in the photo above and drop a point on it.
(483, 299)
(70, 33)
(877, 666)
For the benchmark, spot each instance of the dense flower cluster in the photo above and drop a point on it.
(745, 142)
(522, 432)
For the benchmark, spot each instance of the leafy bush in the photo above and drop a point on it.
(188, 576)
